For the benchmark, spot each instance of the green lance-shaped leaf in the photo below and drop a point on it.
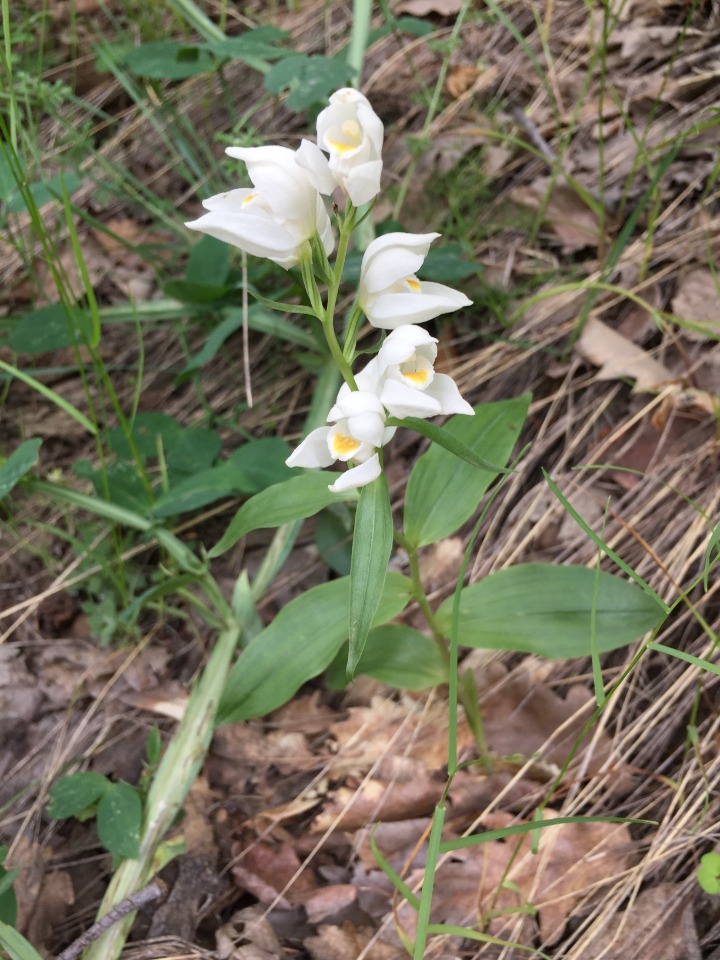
(372, 544)
(119, 818)
(395, 654)
(17, 947)
(445, 439)
(553, 611)
(298, 645)
(444, 491)
(294, 499)
(20, 462)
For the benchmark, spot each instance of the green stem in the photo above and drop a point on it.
(419, 595)
(175, 775)
(337, 355)
(328, 317)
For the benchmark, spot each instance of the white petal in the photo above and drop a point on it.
(251, 231)
(283, 184)
(313, 451)
(440, 290)
(403, 342)
(358, 476)
(445, 391)
(391, 310)
(363, 182)
(367, 427)
(401, 401)
(314, 162)
(356, 402)
(392, 257)
(368, 379)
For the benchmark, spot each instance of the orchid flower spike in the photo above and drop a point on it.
(390, 294)
(277, 218)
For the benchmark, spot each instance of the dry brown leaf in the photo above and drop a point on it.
(575, 225)
(460, 79)
(648, 40)
(659, 924)
(572, 859)
(387, 727)
(266, 869)
(328, 903)
(697, 301)
(346, 943)
(248, 935)
(421, 8)
(350, 808)
(44, 898)
(440, 562)
(619, 357)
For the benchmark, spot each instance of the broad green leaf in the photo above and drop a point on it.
(708, 873)
(190, 291)
(17, 946)
(191, 450)
(119, 483)
(449, 263)
(443, 492)
(254, 466)
(395, 654)
(72, 795)
(310, 79)
(299, 644)
(446, 440)
(261, 463)
(147, 430)
(252, 48)
(8, 900)
(204, 487)
(20, 462)
(371, 548)
(209, 262)
(43, 191)
(164, 60)
(119, 818)
(294, 499)
(333, 537)
(43, 330)
(552, 611)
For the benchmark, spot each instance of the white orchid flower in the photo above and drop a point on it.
(406, 363)
(351, 133)
(277, 218)
(358, 430)
(390, 294)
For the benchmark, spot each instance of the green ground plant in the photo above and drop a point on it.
(343, 626)
(144, 481)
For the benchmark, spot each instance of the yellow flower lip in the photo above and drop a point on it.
(417, 377)
(413, 284)
(249, 198)
(343, 446)
(351, 134)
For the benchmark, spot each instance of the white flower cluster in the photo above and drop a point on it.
(400, 382)
(278, 219)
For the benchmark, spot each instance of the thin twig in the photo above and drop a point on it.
(153, 891)
(245, 334)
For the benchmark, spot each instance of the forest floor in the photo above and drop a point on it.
(573, 156)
